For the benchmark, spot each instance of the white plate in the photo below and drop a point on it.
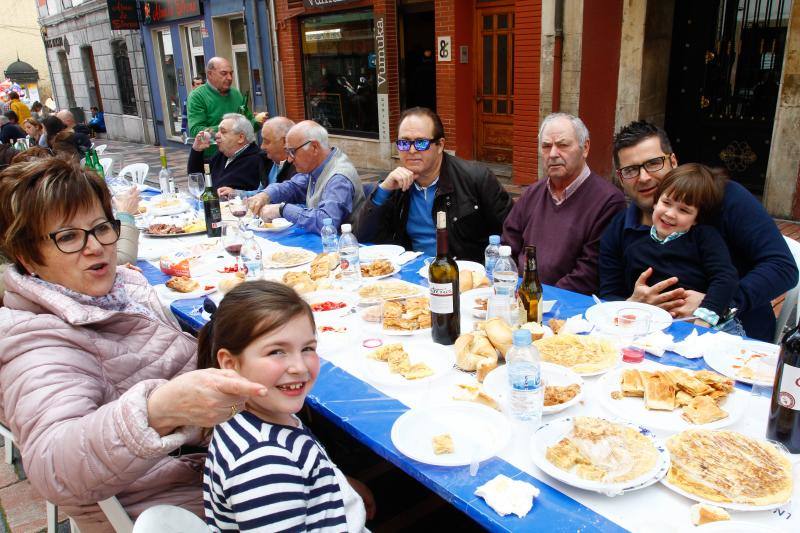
(496, 385)
(552, 432)
(731, 506)
(167, 294)
(468, 301)
(180, 207)
(418, 290)
(279, 224)
(329, 343)
(478, 433)
(462, 265)
(602, 316)
(724, 357)
(730, 526)
(168, 235)
(307, 257)
(348, 298)
(634, 411)
(406, 333)
(440, 359)
(394, 271)
(367, 254)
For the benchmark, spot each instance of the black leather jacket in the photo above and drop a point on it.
(475, 201)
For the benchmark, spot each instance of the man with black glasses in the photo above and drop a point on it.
(643, 156)
(402, 209)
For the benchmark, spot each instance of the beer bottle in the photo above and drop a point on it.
(784, 412)
(530, 292)
(443, 283)
(211, 208)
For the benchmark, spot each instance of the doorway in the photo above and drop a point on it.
(90, 71)
(494, 84)
(168, 78)
(417, 58)
(725, 71)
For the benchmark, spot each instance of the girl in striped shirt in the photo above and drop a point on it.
(265, 471)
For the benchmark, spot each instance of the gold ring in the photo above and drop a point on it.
(234, 410)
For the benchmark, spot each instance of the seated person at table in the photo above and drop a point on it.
(273, 143)
(238, 164)
(677, 246)
(10, 131)
(265, 470)
(99, 383)
(565, 214)
(403, 207)
(643, 156)
(326, 182)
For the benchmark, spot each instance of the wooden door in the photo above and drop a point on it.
(495, 84)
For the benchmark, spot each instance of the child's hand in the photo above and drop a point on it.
(366, 496)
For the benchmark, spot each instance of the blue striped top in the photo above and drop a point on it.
(268, 477)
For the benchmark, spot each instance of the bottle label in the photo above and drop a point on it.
(441, 298)
(789, 389)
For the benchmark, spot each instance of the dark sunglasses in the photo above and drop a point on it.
(420, 145)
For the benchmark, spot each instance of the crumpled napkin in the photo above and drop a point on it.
(506, 495)
(406, 257)
(695, 346)
(575, 324)
(655, 343)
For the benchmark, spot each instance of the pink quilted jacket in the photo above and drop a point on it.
(74, 382)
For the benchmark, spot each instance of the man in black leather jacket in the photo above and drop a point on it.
(402, 209)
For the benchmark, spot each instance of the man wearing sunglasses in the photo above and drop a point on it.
(564, 215)
(326, 185)
(403, 207)
(643, 156)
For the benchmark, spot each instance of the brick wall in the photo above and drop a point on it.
(445, 24)
(528, 37)
(290, 58)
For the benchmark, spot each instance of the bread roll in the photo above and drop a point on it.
(465, 280)
(703, 513)
(499, 333)
(474, 352)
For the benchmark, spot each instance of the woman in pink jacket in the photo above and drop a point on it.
(97, 383)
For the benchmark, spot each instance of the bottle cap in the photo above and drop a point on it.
(346, 228)
(494, 239)
(327, 221)
(522, 337)
(505, 251)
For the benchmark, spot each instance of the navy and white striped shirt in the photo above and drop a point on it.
(268, 477)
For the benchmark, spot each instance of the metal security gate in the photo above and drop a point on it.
(725, 71)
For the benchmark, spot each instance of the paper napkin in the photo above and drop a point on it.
(507, 496)
(406, 257)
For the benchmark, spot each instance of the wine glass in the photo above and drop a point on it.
(197, 184)
(232, 241)
(237, 207)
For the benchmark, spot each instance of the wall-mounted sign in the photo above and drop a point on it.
(122, 14)
(443, 48)
(325, 3)
(57, 42)
(381, 74)
(155, 11)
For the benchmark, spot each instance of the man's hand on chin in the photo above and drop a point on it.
(399, 178)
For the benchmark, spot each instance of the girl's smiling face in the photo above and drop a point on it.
(285, 361)
(671, 216)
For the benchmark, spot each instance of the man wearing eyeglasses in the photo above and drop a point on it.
(326, 185)
(402, 209)
(564, 215)
(643, 156)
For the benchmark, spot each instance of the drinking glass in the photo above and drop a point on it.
(232, 241)
(196, 185)
(237, 206)
(632, 323)
(500, 306)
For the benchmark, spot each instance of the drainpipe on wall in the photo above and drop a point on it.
(276, 63)
(558, 45)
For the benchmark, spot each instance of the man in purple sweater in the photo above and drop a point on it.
(565, 214)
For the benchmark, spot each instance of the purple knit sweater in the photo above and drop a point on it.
(566, 236)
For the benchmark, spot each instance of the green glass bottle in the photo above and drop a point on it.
(211, 207)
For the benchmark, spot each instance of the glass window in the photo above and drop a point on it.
(122, 66)
(339, 72)
(171, 103)
(237, 32)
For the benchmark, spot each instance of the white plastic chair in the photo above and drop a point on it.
(100, 149)
(169, 519)
(791, 304)
(138, 172)
(106, 162)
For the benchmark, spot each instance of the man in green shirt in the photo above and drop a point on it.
(208, 103)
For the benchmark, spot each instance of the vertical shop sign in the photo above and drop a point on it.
(443, 48)
(381, 78)
(122, 14)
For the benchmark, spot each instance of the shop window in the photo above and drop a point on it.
(193, 44)
(241, 64)
(339, 72)
(122, 66)
(63, 62)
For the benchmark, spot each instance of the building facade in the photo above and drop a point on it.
(94, 66)
(180, 37)
(22, 40)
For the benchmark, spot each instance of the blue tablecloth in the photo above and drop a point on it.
(341, 398)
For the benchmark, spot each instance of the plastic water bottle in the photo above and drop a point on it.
(524, 378)
(348, 257)
(330, 239)
(251, 257)
(491, 255)
(505, 275)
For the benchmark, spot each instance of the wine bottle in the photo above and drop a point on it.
(784, 413)
(165, 180)
(211, 208)
(443, 283)
(530, 292)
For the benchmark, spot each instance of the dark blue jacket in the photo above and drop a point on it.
(766, 267)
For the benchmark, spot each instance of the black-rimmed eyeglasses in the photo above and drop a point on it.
(292, 151)
(651, 165)
(420, 145)
(72, 240)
